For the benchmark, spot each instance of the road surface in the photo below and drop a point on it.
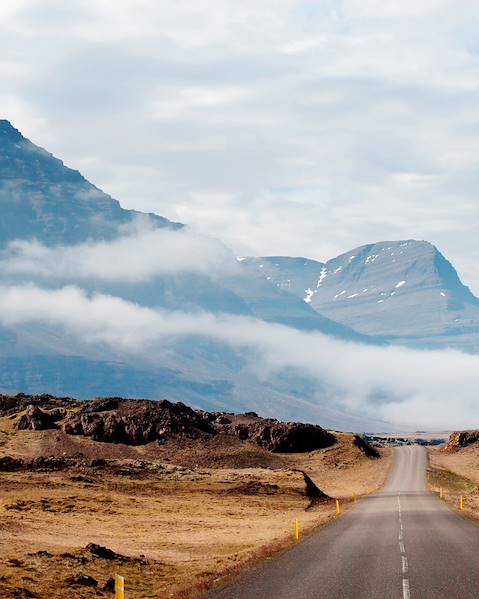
(403, 543)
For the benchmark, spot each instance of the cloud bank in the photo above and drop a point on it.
(427, 389)
(140, 254)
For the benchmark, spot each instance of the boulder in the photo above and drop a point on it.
(83, 580)
(36, 419)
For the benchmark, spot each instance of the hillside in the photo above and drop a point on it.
(406, 292)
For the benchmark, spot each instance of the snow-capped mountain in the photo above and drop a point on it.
(404, 291)
(298, 276)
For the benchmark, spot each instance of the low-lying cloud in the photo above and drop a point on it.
(433, 389)
(140, 254)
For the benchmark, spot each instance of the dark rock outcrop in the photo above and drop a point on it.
(9, 464)
(313, 491)
(14, 404)
(366, 448)
(103, 552)
(460, 439)
(82, 580)
(39, 464)
(285, 437)
(136, 422)
(36, 419)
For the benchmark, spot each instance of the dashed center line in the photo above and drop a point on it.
(406, 591)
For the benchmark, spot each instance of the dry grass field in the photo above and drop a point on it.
(458, 474)
(177, 530)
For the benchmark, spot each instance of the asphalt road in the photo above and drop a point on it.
(403, 543)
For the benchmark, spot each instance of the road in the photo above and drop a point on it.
(402, 543)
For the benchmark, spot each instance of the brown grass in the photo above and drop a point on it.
(458, 475)
(195, 527)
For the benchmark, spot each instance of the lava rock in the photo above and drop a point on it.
(9, 464)
(82, 580)
(460, 439)
(285, 437)
(36, 419)
(137, 422)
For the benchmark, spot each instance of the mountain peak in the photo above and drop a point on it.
(404, 290)
(42, 198)
(7, 130)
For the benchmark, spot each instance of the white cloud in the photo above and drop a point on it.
(196, 102)
(405, 386)
(141, 254)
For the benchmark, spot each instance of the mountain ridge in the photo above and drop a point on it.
(361, 288)
(32, 178)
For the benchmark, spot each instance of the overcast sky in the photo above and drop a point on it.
(280, 126)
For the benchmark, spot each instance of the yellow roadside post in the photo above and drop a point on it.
(338, 507)
(461, 503)
(119, 587)
(441, 493)
(296, 530)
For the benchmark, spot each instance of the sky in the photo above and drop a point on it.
(291, 127)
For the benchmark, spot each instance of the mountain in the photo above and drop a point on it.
(41, 199)
(298, 276)
(403, 291)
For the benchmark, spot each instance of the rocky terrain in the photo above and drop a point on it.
(139, 422)
(174, 499)
(461, 439)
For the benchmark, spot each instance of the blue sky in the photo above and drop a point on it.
(282, 127)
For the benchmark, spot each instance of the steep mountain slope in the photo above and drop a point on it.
(40, 197)
(298, 276)
(404, 291)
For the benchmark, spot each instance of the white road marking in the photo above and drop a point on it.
(406, 591)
